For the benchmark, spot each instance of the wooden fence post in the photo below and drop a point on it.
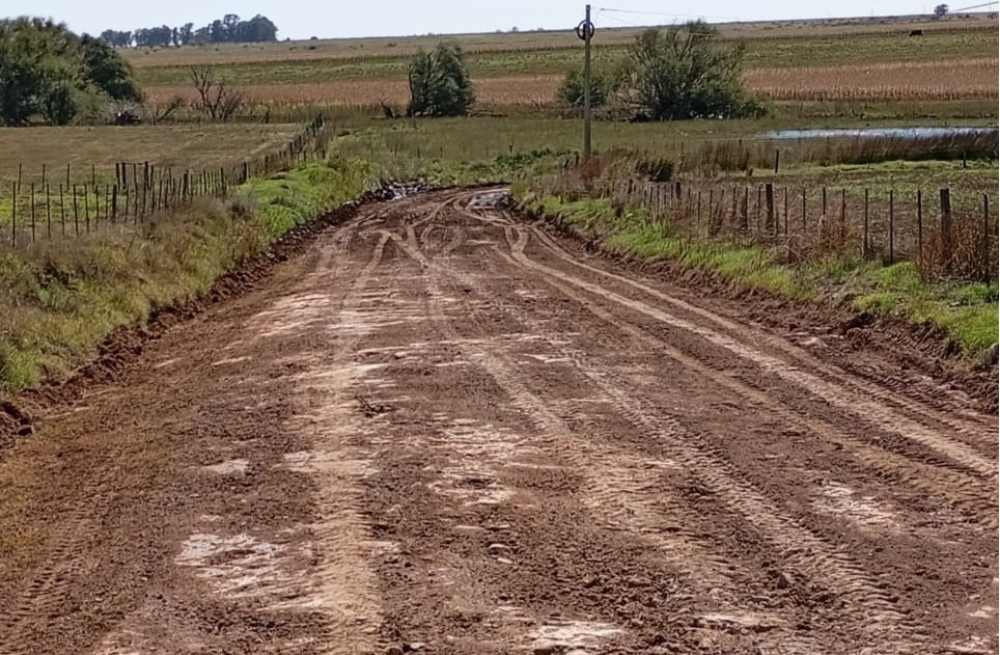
(32, 212)
(920, 227)
(892, 228)
(777, 160)
(62, 209)
(786, 211)
(48, 211)
(114, 203)
(86, 208)
(864, 232)
(946, 226)
(842, 231)
(987, 268)
(76, 212)
(772, 225)
(13, 216)
(805, 226)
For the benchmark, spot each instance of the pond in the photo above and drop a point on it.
(879, 132)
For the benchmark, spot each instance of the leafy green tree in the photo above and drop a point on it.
(684, 72)
(107, 71)
(440, 83)
(50, 72)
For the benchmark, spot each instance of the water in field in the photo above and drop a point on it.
(879, 132)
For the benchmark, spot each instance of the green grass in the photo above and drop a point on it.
(61, 299)
(967, 312)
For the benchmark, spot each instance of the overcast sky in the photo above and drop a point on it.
(300, 19)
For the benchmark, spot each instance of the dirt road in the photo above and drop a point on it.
(441, 431)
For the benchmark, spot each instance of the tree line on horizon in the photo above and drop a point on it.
(229, 29)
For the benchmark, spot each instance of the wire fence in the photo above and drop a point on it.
(948, 234)
(133, 192)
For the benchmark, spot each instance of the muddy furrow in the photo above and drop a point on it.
(975, 431)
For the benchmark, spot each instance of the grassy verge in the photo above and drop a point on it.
(967, 312)
(60, 300)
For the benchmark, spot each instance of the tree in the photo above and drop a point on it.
(940, 11)
(108, 72)
(683, 72)
(217, 97)
(439, 83)
(48, 71)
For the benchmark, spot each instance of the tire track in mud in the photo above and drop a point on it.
(973, 496)
(808, 556)
(616, 488)
(859, 407)
(976, 433)
(973, 499)
(45, 593)
(856, 398)
(344, 586)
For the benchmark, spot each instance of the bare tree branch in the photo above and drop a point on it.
(217, 98)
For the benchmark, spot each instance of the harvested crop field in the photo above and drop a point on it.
(518, 90)
(949, 80)
(440, 430)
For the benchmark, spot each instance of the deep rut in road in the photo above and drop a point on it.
(438, 430)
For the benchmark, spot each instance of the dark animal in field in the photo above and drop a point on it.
(916, 32)
(127, 117)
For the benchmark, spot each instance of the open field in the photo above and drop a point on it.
(837, 37)
(951, 80)
(778, 52)
(440, 426)
(192, 146)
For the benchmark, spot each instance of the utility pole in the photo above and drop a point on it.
(585, 31)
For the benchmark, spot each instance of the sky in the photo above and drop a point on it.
(301, 19)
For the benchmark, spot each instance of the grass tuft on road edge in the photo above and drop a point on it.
(61, 299)
(967, 312)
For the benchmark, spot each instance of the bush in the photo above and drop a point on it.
(439, 83)
(683, 73)
(570, 93)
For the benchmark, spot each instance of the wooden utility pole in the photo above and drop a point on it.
(585, 31)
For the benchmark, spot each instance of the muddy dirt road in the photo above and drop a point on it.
(440, 431)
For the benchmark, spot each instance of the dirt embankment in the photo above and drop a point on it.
(441, 430)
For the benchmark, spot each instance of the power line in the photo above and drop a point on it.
(660, 13)
(988, 4)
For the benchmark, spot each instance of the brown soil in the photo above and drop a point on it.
(438, 430)
(889, 349)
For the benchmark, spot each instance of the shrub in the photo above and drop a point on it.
(439, 83)
(683, 73)
(570, 93)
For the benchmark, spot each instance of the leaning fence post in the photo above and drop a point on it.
(114, 203)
